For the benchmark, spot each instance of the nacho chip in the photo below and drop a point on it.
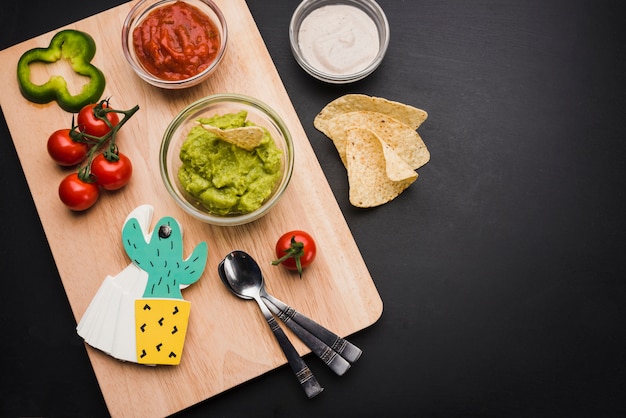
(409, 115)
(376, 174)
(247, 137)
(403, 139)
(378, 143)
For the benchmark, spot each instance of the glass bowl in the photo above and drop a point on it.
(339, 41)
(140, 12)
(176, 133)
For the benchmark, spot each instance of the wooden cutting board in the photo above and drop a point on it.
(228, 341)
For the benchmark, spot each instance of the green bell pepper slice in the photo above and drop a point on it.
(78, 48)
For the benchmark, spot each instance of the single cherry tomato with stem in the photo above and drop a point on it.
(77, 194)
(112, 171)
(64, 150)
(93, 119)
(295, 250)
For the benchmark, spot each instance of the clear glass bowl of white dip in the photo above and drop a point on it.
(339, 41)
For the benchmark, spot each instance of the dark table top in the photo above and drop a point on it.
(500, 268)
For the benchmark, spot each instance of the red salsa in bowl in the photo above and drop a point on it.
(174, 43)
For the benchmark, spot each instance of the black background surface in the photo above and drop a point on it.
(501, 269)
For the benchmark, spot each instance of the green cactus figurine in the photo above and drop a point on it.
(162, 258)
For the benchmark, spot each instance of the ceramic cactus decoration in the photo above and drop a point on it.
(140, 314)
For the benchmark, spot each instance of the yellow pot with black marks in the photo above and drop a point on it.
(161, 327)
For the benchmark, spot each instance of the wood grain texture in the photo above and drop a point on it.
(228, 341)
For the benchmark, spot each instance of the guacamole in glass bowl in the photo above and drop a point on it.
(216, 178)
(224, 177)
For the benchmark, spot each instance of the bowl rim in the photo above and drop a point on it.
(142, 9)
(180, 118)
(373, 10)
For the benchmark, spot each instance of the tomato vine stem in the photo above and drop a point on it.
(97, 142)
(295, 251)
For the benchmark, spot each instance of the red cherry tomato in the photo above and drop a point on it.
(112, 175)
(88, 123)
(64, 150)
(77, 194)
(295, 250)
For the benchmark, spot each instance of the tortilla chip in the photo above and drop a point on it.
(409, 115)
(376, 174)
(378, 143)
(403, 139)
(247, 137)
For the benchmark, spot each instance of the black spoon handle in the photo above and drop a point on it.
(286, 313)
(304, 375)
(329, 356)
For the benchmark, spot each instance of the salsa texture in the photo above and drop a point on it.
(225, 178)
(176, 41)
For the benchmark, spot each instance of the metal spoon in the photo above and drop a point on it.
(323, 342)
(242, 275)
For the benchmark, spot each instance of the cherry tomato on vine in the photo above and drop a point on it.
(112, 175)
(64, 150)
(295, 250)
(77, 194)
(88, 123)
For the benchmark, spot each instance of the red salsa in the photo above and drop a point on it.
(176, 41)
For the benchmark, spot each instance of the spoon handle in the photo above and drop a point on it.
(330, 357)
(344, 348)
(308, 382)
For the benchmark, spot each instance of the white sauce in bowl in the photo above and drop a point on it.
(338, 39)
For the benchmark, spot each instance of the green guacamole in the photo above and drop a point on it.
(225, 178)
